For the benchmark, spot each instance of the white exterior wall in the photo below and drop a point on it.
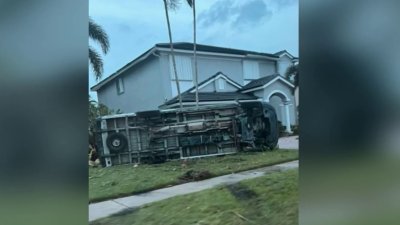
(283, 63)
(280, 86)
(142, 89)
(267, 68)
(148, 84)
(283, 88)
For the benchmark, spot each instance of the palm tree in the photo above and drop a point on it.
(292, 73)
(172, 4)
(97, 34)
(192, 4)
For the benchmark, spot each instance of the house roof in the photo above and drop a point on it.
(283, 52)
(209, 48)
(210, 79)
(280, 52)
(259, 82)
(121, 70)
(264, 81)
(211, 97)
(181, 46)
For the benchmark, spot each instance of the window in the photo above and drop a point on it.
(221, 84)
(251, 71)
(184, 72)
(120, 86)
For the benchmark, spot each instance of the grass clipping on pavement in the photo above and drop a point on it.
(125, 180)
(270, 199)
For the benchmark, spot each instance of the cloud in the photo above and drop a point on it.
(135, 26)
(284, 3)
(219, 12)
(125, 27)
(252, 13)
(236, 14)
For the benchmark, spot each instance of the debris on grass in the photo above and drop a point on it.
(132, 180)
(242, 217)
(109, 183)
(273, 204)
(193, 175)
(233, 160)
(241, 192)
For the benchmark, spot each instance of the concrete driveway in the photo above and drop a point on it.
(291, 142)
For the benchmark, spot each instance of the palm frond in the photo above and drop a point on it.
(99, 35)
(173, 4)
(96, 62)
(291, 71)
(190, 3)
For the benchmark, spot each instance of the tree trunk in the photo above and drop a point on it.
(194, 54)
(173, 55)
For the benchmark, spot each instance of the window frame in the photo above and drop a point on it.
(181, 61)
(251, 71)
(221, 84)
(120, 86)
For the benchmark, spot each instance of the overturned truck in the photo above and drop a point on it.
(159, 135)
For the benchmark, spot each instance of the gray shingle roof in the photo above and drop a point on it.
(279, 53)
(182, 46)
(259, 82)
(284, 51)
(209, 48)
(212, 77)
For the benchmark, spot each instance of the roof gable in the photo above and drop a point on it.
(190, 94)
(264, 82)
(214, 78)
(283, 53)
(259, 82)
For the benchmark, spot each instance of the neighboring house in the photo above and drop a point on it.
(225, 76)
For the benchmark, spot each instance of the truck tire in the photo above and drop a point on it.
(116, 142)
(273, 146)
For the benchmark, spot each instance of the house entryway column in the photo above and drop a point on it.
(287, 116)
(282, 103)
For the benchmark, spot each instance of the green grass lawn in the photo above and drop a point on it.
(270, 199)
(124, 180)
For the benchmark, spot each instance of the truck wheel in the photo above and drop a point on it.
(116, 142)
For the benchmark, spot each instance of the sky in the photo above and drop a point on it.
(134, 26)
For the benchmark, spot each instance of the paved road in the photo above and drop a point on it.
(291, 142)
(107, 208)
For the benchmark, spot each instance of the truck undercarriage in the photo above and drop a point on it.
(159, 135)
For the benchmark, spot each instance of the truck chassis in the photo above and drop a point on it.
(159, 135)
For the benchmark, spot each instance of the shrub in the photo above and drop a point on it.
(295, 130)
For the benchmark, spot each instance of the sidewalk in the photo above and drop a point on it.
(291, 142)
(107, 208)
